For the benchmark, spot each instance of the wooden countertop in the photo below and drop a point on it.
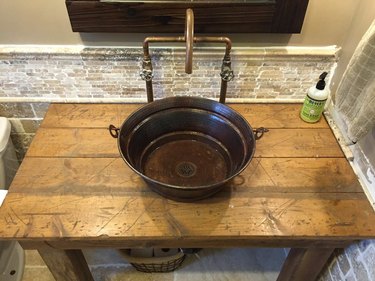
(73, 189)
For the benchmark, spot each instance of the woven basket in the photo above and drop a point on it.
(155, 264)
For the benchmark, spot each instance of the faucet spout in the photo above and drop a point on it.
(189, 39)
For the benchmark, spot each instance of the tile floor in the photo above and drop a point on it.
(207, 265)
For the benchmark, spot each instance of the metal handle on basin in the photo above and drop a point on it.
(113, 130)
(259, 132)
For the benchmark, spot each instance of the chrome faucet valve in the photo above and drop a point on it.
(146, 72)
(226, 73)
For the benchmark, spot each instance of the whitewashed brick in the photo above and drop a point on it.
(47, 75)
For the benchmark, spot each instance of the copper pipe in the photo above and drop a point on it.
(188, 63)
(147, 65)
(159, 39)
(226, 40)
(149, 91)
(223, 91)
(189, 38)
(226, 72)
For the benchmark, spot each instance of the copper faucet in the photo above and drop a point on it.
(189, 39)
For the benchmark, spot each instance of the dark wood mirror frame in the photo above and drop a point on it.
(278, 16)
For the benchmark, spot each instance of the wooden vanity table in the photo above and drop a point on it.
(73, 191)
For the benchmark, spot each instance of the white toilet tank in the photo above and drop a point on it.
(12, 256)
(8, 160)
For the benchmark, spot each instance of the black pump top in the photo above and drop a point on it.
(321, 83)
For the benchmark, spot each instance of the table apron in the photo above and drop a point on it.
(214, 243)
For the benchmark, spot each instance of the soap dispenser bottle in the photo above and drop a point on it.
(315, 100)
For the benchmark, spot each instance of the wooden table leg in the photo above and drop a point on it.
(304, 264)
(66, 264)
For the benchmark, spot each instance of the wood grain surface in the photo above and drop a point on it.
(279, 116)
(66, 264)
(282, 16)
(74, 189)
(101, 175)
(143, 17)
(226, 216)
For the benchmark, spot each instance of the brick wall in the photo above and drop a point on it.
(355, 263)
(113, 74)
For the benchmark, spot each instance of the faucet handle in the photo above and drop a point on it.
(146, 74)
(226, 73)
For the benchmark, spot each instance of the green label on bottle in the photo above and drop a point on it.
(312, 109)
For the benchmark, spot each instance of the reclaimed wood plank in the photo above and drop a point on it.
(275, 116)
(163, 17)
(101, 115)
(297, 175)
(298, 143)
(83, 142)
(279, 215)
(87, 115)
(63, 142)
(111, 175)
